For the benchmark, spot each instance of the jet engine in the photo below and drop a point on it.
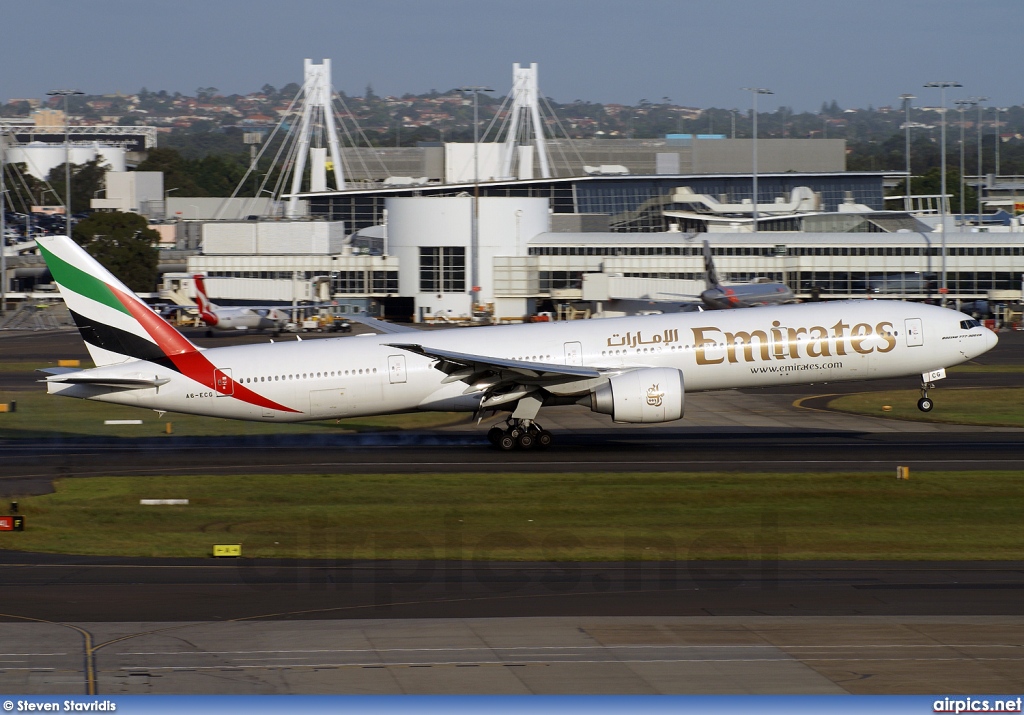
(649, 395)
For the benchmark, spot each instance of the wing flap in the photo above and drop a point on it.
(456, 364)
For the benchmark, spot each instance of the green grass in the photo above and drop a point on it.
(1001, 407)
(1000, 369)
(42, 415)
(966, 515)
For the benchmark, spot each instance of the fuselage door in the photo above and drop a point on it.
(573, 354)
(396, 369)
(915, 332)
(222, 382)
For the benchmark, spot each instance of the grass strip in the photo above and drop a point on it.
(997, 407)
(548, 517)
(42, 415)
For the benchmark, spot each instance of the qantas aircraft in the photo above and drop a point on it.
(744, 295)
(237, 318)
(635, 369)
(716, 296)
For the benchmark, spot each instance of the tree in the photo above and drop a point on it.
(177, 173)
(124, 244)
(86, 180)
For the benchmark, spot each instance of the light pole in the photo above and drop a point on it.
(65, 93)
(998, 138)
(979, 100)
(733, 113)
(962, 105)
(906, 125)
(3, 225)
(166, 193)
(474, 239)
(941, 86)
(754, 91)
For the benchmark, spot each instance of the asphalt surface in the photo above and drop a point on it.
(91, 589)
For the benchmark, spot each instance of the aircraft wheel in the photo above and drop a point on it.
(544, 439)
(925, 404)
(494, 435)
(525, 441)
(506, 443)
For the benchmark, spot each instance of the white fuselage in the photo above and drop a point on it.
(244, 318)
(760, 347)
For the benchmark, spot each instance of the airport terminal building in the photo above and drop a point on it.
(593, 244)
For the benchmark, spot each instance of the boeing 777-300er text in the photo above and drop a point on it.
(635, 369)
(221, 318)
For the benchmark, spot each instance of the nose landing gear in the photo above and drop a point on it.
(519, 433)
(925, 404)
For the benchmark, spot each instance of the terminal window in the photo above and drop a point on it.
(443, 269)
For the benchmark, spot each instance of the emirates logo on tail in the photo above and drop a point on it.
(655, 396)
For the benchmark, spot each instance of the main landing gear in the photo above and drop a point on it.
(524, 434)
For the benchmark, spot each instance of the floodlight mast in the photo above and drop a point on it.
(65, 93)
(3, 223)
(906, 125)
(474, 239)
(754, 91)
(942, 86)
(981, 173)
(962, 105)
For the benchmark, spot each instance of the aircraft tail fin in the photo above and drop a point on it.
(206, 306)
(710, 275)
(115, 324)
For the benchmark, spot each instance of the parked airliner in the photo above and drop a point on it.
(221, 318)
(740, 295)
(635, 369)
(717, 296)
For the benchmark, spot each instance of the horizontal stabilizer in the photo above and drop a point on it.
(133, 383)
(380, 325)
(58, 370)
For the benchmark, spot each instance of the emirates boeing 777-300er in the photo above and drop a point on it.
(634, 369)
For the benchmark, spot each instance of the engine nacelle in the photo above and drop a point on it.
(649, 395)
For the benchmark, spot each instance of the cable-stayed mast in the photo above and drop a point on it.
(316, 126)
(523, 117)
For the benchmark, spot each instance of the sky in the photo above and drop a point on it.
(698, 53)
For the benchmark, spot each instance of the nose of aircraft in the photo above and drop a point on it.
(991, 339)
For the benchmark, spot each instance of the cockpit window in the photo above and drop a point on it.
(968, 324)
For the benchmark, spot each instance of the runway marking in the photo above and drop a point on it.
(577, 648)
(512, 467)
(800, 406)
(88, 651)
(411, 664)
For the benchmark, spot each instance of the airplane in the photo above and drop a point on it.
(716, 296)
(237, 318)
(746, 295)
(634, 369)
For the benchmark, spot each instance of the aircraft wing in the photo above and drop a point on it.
(380, 325)
(499, 379)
